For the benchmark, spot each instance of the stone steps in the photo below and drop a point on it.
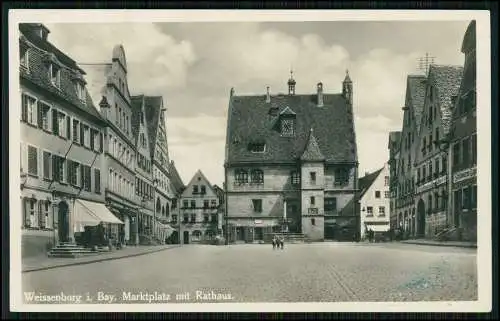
(71, 250)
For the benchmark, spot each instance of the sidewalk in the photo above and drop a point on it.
(38, 263)
(441, 243)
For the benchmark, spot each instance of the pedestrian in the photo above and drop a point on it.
(370, 235)
(274, 241)
(282, 242)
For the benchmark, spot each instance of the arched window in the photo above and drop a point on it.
(158, 204)
(167, 210)
(196, 235)
(163, 210)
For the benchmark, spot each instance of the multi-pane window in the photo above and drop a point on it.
(47, 165)
(193, 204)
(185, 204)
(203, 189)
(295, 178)
(43, 116)
(80, 90)
(61, 124)
(257, 205)
(386, 180)
(174, 219)
(86, 133)
(76, 131)
(369, 210)
(59, 168)
(214, 218)
(74, 173)
(195, 189)
(257, 176)
(193, 218)
(206, 218)
(341, 176)
(381, 210)
(24, 56)
(213, 203)
(28, 113)
(312, 200)
(205, 203)
(241, 176)
(377, 194)
(32, 161)
(87, 177)
(55, 75)
(97, 181)
(387, 194)
(330, 205)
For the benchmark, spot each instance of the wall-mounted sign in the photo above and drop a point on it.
(258, 221)
(464, 174)
(429, 185)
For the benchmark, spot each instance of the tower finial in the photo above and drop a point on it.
(291, 83)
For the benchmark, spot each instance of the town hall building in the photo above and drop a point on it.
(291, 164)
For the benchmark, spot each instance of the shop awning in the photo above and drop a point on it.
(92, 213)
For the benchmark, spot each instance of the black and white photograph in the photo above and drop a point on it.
(240, 161)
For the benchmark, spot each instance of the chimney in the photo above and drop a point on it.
(320, 94)
(268, 96)
(40, 30)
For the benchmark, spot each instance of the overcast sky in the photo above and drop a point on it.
(194, 65)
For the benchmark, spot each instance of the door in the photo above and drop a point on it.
(293, 217)
(63, 222)
(186, 237)
(420, 218)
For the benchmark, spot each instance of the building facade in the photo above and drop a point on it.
(200, 220)
(463, 147)
(144, 187)
(177, 187)
(62, 161)
(393, 146)
(291, 165)
(374, 199)
(407, 153)
(431, 161)
(109, 88)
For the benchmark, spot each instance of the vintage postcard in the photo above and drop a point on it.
(250, 161)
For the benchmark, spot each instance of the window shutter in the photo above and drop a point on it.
(82, 176)
(41, 214)
(39, 114)
(24, 108)
(92, 138)
(69, 171)
(101, 142)
(68, 127)
(55, 123)
(26, 211)
(82, 142)
(55, 172)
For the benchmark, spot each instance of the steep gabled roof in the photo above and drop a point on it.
(366, 181)
(446, 80)
(175, 178)
(41, 52)
(312, 151)
(249, 120)
(416, 86)
(152, 105)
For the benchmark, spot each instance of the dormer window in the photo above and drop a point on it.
(257, 147)
(24, 53)
(55, 75)
(80, 90)
(287, 127)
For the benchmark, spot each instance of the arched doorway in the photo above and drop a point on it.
(186, 237)
(420, 218)
(63, 222)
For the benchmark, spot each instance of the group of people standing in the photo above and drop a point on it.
(278, 242)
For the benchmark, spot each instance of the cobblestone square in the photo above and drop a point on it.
(319, 272)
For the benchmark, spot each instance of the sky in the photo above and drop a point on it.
(194, 65)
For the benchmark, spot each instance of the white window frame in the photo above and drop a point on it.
(369, 211)
(37, 160)
(63, 132)
(26, 56)
(97, 140)
(80, 90)
(31, 110)
(57, 82)
(50, 175)
(63, 179)
(86, 135)
(49, 115)
(381, 211)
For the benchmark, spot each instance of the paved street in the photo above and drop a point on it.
(256, 273)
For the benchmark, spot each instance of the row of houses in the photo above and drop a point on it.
(92, 152)
(433, 158)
